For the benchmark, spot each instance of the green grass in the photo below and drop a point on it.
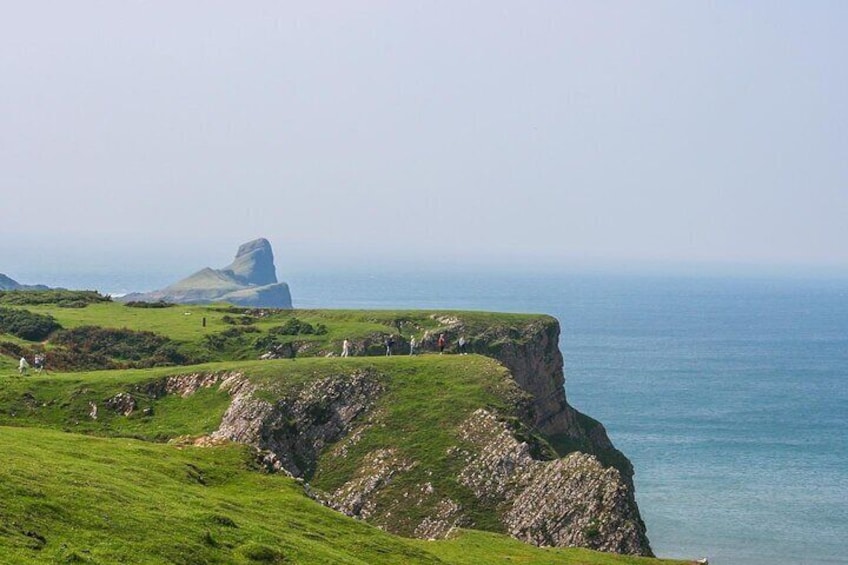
(112, 490)
(184, 323)
(69, 498)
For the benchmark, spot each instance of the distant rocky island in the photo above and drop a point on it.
(8, 283)
(250, 280)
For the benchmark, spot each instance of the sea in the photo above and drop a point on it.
(728, 393)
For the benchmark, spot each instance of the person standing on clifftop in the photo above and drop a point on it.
(412, 344)
(441, 343)
(390, 343)
(462, 343)
(345, 348)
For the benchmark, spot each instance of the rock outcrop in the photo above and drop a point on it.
(8, 283)
(297, 427)
(531, 353)
(250, 280)
(572, 501)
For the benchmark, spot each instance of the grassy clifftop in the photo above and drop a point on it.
(171, 464)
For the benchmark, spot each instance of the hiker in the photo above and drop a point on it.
(441, 343)
(345, 348)
(38, 363)
(390, 342)
(412, 345)
(23, 366)
(462, 343)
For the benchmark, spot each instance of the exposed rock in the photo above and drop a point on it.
(573, 501)
(355, 498)
(531, 353)
(448, 515)
(577, 501)
(186, 385)
(280, 351)
(123, 403)
(250, 280)
(297, 427)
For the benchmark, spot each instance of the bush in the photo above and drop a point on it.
(239, 321)
(143, 304)
(27, 325)
(294, 326)
(61, 298)
(92, 347)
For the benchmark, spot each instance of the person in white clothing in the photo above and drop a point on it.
(345, 348)
(23, 366)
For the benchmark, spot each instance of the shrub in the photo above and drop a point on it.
(62, 298)
(294, 326)
(239, 321)
(143, 304)
(27, 325)
(92, 347)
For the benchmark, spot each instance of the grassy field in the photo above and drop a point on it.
(220, 332)
(119, 489)
(70, 498)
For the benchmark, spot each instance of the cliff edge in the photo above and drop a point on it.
(406, 445)
(418, 445)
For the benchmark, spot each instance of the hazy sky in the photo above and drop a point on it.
(513, 132)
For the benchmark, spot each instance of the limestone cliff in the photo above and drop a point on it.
(250, 280)
(526, 463)
(531, 353)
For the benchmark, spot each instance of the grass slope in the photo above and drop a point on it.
(69, 498)
(185, 325)
(110, 490)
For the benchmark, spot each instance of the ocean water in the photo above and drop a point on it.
(729, 395)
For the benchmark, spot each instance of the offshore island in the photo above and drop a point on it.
(212, 423)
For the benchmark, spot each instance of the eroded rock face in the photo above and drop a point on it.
(531, 353)
(122, 403)
(356, 497)
(297, 427)
(573, 501)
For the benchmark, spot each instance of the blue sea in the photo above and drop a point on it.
(728, 394)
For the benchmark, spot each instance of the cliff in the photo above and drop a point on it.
(250, 280)
(420, 446)
(519, 460)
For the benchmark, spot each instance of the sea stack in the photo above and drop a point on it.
(250, 280)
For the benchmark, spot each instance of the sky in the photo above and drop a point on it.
(154, 134)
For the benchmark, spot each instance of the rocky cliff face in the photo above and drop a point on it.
(297, 427)
(572, 501)
(531, 353)
(503, 474)
(250, 280)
